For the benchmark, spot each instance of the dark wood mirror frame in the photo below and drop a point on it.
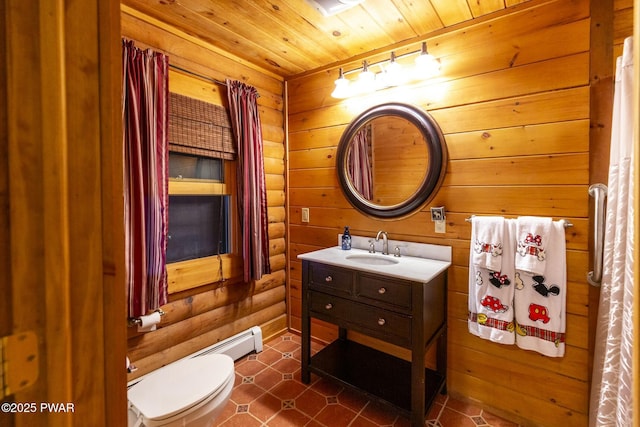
(437, 160)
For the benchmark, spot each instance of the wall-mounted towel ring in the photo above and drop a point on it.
(565, 222)
(599, 194)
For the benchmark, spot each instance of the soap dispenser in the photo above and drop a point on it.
(346, 239)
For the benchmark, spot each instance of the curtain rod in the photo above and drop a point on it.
(218, 82)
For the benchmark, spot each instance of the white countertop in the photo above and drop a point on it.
(408, 267)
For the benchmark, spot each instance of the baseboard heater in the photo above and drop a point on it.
(236, 346)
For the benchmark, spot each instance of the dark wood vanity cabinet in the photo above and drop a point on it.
(402, 312)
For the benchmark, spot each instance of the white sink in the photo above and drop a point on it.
(416, 268)
(372, 259)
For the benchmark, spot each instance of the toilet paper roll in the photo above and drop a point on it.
(149, 322)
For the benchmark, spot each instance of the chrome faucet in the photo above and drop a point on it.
(385, 242)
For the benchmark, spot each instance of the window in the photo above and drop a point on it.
(198, 208)
(183, 166)
(201, 214)
(198, 227)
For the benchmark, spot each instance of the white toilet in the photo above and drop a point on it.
(190, 392)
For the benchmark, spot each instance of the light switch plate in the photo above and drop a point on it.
(305, 214)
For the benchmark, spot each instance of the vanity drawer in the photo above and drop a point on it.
(328, 278)
(376, 322)
(390, 292)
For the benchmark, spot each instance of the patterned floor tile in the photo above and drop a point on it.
(268, 392)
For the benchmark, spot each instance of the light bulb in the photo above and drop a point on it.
(393, 75)
(427, 63)
(365, 82)
(366, 79)
(342, 87)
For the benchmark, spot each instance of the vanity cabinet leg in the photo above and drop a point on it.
(306, 354)
(342, 334)
(418, 379)
(441, 358)
(417, 386)
(305, 374)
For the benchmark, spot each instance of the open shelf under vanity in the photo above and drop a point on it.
(382, 377)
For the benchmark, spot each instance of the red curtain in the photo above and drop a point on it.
(252, 193)
(145, 124)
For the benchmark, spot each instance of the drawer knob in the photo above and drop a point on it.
(381, 321)
(329, 306)
(382, 290)
(328, 279)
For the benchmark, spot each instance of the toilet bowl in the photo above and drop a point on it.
(190, 392)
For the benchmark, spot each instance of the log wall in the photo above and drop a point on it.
(514, 103)
(213, 311)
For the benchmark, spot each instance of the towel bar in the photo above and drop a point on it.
(137, 321)
(566, 222)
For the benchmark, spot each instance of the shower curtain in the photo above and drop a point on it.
(611, 393)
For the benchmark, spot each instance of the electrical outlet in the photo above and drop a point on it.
(305, 214)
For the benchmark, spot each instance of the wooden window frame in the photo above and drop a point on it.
(190, 274)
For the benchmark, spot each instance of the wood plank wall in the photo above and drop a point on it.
(513, 103)
(61, 223)
(203, 316)
(395, 178)
(622, 24)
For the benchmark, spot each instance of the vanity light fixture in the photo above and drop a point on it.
(391, 73)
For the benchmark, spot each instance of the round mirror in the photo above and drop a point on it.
(390, 160)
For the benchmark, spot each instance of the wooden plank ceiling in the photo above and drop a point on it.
(290, 37)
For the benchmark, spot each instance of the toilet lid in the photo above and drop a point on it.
(180, 385)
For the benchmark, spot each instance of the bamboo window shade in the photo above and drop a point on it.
(199, 128)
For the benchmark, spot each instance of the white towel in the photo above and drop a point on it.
(533, 239)
(540, 300)
(491, 292)
(487, 233)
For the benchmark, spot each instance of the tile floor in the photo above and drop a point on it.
(268, 392)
